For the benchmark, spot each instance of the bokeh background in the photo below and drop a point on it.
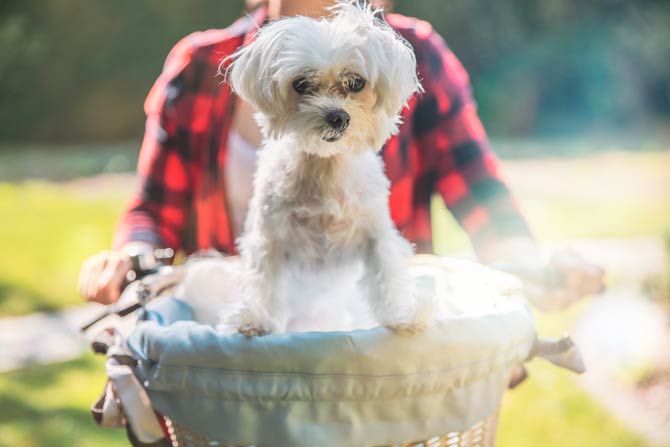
(575, 96)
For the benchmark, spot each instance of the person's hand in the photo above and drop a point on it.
(566, 279)
(102, 276)
(553, 285)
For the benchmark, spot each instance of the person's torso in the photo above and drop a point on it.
(223, 161)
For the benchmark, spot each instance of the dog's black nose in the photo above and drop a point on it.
(338, 119)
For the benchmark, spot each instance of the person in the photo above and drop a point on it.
(197, 160)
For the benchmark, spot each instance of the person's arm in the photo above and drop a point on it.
(157, 213)
(468, 177)
(466, 172)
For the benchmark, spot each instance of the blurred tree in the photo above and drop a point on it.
(79, 70)
(76, 69)
(563, 66)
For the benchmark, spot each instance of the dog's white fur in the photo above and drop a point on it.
(319, 221)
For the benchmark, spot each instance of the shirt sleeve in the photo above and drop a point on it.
(466, 172)
(158, 212)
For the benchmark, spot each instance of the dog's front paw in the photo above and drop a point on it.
(422, 316)
(248, 329)
(251, 331)
(408, 329)
(249, 319)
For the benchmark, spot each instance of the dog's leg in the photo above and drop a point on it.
(390, 287)
(259, 311)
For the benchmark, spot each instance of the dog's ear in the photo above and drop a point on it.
(397, 78)
(252, 71)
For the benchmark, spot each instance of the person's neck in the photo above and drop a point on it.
(308, 8)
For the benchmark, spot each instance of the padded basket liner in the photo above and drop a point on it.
(360, 388)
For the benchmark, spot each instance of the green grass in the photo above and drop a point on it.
(45, 233)
(549, 410)
(606, 195)
(49, 406)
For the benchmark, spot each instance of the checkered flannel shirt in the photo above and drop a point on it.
(441, 147)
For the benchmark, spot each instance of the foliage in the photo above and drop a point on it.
(79, 70)
(552, 67)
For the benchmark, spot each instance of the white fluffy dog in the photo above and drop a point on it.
(328, 94)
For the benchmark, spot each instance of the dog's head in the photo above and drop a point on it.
(335, 84)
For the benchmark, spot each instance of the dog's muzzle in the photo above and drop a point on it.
(338, 121)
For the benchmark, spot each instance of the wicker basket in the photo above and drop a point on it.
(482, 434)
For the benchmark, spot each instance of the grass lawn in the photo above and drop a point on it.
(51, 228)
(45, 234)
(49, 406)
(548, 410)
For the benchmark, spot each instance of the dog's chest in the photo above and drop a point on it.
(319, 226)
(328, 298)
(324, 209)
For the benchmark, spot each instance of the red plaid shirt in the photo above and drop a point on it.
(441, 147)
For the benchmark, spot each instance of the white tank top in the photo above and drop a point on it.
(238, 175)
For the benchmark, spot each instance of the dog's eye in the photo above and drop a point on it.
(301, 85)
(356, 84)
